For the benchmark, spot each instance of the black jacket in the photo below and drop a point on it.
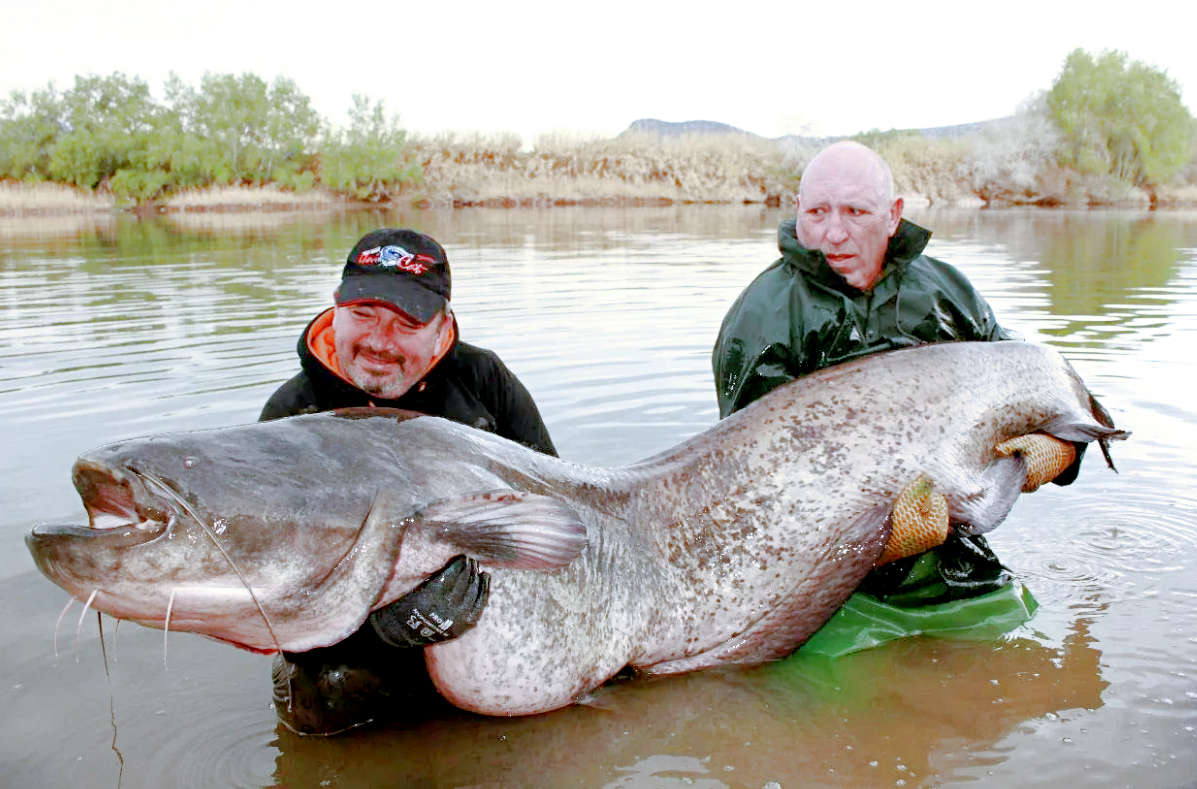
(469, 385)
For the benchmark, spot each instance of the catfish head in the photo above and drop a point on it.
(285, 535)
(263, 536)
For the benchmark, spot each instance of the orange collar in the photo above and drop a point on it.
(322, 343)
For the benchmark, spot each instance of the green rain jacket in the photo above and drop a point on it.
(799, 316)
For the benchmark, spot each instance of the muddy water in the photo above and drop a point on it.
(113, 328)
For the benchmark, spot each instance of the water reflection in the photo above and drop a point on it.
(563, 230)
(1105, 274)
(112, 327)
(798, 723)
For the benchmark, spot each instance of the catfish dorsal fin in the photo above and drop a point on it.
(508, 528)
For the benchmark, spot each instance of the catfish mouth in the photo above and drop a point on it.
(149, 553)
(123, 506)
(116, 498)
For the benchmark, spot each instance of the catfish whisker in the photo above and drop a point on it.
(58, 624)
(170, 605)
(170, 493)
(79, 628)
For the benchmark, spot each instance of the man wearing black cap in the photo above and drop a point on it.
(391, 341)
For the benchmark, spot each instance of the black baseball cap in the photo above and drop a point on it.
(403, 268)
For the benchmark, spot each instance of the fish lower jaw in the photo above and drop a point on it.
(107, 521)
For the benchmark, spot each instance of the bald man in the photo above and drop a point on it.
(853, 280)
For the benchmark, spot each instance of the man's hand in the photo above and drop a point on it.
(444, 607)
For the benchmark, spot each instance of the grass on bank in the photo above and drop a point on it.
(257, 198)
(493, 169)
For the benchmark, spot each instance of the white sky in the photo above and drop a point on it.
(768, 67)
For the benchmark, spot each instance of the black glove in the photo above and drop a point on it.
(445, 606)
(964, 566)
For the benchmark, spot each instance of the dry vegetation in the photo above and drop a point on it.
(1011, 162)
(493, 170)
(17, 197)
(1109, 131)
(257, 198)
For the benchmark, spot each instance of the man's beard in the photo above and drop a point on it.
(387, 386)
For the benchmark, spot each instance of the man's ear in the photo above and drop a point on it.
(798, 220)
(895, 215)
(444, 337)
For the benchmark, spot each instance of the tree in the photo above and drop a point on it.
(108, 132)
(253, 132)
(106, 126)
(1119, 118)
(28, 127)
(368, 159)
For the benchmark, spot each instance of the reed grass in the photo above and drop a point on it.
(17, 197)
(563, 170)
(259, 198)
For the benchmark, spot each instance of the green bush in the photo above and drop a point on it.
(109, 132)
(1121, 118)
(368, 160)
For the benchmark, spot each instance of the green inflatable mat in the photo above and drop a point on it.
(864, 621)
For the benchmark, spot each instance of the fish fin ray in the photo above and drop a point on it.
(1068, 429)
(1081, 433)
(509, 528)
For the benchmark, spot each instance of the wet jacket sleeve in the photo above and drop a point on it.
(978, 323)
(744, 373)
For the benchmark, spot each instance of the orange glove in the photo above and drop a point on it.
(920, 521)
(1045, 457)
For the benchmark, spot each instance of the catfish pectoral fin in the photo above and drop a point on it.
(509, 528)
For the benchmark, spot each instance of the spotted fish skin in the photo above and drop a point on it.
(731, 548)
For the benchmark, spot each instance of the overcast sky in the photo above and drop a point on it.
(824, 68)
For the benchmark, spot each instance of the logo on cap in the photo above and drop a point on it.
(395, 257)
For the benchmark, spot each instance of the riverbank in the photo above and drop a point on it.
(495, 191)
(636, 170)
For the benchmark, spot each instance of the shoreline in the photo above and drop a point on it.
(19, 200)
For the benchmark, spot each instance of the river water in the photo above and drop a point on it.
(115, 327)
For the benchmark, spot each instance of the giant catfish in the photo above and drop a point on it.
(732, 547)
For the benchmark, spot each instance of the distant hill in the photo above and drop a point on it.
(668, 129)
(957, 131)
(678, 129)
